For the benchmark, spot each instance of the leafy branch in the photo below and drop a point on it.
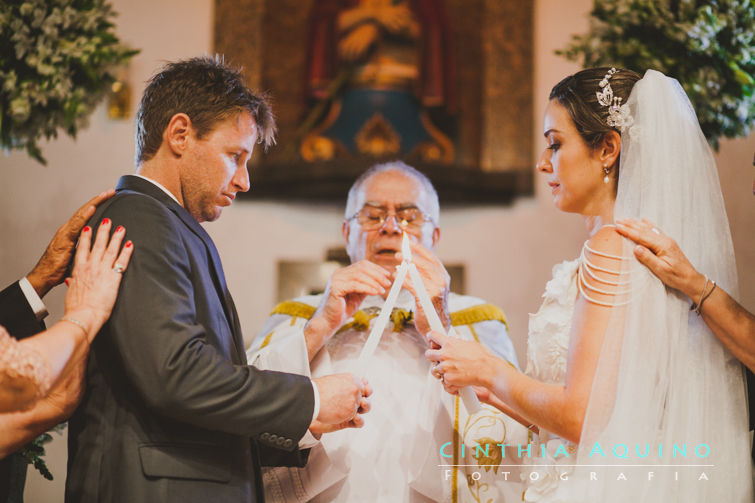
(707, 45)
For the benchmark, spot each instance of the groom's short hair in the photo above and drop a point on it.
(208, 91)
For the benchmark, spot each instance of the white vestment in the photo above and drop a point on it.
(409, 435)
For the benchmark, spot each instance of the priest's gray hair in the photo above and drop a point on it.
(432, 196)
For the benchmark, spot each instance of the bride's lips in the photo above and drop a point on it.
(553, 186)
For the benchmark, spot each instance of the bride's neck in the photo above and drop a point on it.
(595, 222)
(600, 210)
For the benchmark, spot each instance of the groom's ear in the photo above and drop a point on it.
(177, 134)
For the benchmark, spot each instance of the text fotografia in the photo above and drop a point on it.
(536, 475)
(617, 451)
(618, 462)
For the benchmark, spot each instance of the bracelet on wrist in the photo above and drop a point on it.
(700, 305)
(696, 307)
(78, 324)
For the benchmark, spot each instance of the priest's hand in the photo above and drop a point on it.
(345, 292)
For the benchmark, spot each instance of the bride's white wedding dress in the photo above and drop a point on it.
(662, 377)
(547, 346)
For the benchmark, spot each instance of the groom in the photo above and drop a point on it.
(172, 411)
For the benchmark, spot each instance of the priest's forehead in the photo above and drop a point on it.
(393, 189)
(393, 184)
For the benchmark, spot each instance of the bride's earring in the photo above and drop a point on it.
(606, 171)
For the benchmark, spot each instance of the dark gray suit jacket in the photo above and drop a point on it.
(172, 412)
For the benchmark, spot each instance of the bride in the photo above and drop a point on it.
(631, 396)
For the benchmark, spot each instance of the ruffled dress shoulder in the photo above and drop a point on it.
(548, 335)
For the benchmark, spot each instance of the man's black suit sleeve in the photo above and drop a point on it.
(162, 330)
(16, 315)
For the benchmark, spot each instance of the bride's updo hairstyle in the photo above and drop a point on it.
(577, 93)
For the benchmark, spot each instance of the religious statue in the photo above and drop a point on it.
(380, 77)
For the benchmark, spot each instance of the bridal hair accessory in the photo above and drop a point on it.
(618, 114)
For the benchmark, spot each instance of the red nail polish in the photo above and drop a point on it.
(105, 221)
(119, 229)
(86, 229)
(67, 281)
(129, 244)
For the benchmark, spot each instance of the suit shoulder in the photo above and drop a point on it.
(135, 203)
(138, 213)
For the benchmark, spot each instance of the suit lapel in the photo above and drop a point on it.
(137, 184)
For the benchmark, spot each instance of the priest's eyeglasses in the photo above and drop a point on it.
(374, 217)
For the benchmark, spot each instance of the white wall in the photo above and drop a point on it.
(508, 252)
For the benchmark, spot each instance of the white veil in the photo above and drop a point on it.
(663, 379)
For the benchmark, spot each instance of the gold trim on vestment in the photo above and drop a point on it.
(467, 316)
(294, 309)
(267, 339)
(361, 321)
(478, 313)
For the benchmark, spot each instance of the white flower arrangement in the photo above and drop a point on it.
(57, 60)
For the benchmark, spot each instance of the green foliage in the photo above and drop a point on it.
(34, 450)
(707, 45)
(57, 60)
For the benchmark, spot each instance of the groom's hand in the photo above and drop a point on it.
(343, 398)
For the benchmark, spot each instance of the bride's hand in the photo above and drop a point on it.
(459, 363)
